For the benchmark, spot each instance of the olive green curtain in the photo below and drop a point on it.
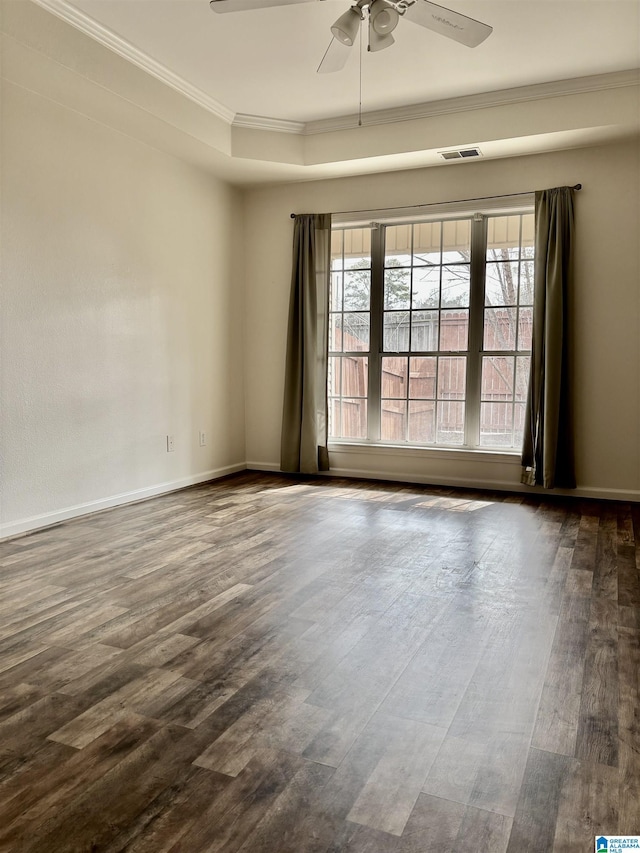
(304, 422)
(547, 453)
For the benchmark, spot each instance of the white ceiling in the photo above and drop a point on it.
(263, 62)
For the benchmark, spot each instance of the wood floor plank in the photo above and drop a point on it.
(130, 699)
(586, 808)
(58, 773)
(535, 820)
(439, 824)
(16, 698)
(159, 826)
(281, 828)
(432, 686)
(627, 576)
(434, 821)
(73, 664)
(391, 791)
(275, 722)
(232, 817)
(484, 830)
(597, 737)
(349, 781)
(456, 768)
(605, 574)
(102, 810)
(318, 665)
(558, 717)
(26, 787)
(628, 801)
(360, 683)
(169, 616)
(15, 597)
(505, 689)
(486, 773)
(22, 734)
(102, 677)
(95, 616)
(29, 667)
(41, 620)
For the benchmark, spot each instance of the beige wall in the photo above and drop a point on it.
(607, 310)
(121, 316)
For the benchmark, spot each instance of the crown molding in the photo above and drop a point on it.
(264, 123)
(88, 25)
(485, 100)
(539, 91)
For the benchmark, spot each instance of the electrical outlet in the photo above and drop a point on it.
(202, 437)
(170, 444)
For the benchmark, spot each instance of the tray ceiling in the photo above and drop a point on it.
(263, 63)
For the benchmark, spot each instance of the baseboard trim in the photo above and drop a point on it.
(38, 522)
(271, 467)
(626, 495)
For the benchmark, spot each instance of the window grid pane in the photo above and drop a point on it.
(427, 269)
(349, 333)
(450, 422)
(394, 377)
(347, 391)
(435, 260)
(355, 334)
(422, 422)
(508, 321)
(393, 426)
(354, 418)
(436, 270)
(454, 330)
(422, 378)
(409, 408)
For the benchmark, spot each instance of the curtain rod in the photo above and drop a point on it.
(433, 204)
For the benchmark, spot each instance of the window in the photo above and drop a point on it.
(430, 331)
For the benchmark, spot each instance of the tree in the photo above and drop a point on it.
(357, 285)
(397, 286)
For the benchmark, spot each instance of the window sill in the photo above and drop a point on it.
(509, 457)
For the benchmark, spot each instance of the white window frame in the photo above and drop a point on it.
(377, 220)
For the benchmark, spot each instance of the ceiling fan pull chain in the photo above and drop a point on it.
(360, 102)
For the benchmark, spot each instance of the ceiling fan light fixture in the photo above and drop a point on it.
(346, 27)
(383, 18)
(378, 42)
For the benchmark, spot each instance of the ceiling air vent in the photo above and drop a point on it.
(460, 154)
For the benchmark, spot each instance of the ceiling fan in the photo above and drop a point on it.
(383, 17)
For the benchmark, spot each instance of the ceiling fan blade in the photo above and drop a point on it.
(448, 23)
(247, 5)
(335, 57)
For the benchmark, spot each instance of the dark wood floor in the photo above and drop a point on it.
(263, 665)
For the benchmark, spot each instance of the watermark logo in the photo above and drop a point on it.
(617, 843)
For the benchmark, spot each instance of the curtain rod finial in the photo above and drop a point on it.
(293, 216)
(577, 187)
